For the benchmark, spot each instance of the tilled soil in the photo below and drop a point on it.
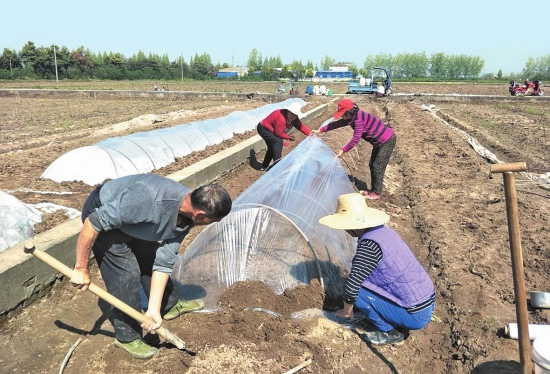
(442, 201)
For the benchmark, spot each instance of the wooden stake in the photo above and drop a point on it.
(517, 260)
(299, 367)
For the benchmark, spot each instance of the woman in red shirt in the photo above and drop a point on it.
(275, 127)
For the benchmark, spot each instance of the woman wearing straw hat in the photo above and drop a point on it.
(386, 282)
(372, 129)
(274, 130)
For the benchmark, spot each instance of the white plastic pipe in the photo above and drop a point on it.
(534, 330)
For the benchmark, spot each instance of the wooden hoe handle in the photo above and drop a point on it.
(516, 253)
(117, 303)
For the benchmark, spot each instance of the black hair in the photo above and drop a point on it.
(213, 199)
(353, 111)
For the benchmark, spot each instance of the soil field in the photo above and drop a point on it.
(439, 195)
(338, 87)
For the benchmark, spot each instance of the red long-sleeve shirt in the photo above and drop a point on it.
(276, 122)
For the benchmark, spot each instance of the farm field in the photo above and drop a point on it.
(438, 192)
(497, 88)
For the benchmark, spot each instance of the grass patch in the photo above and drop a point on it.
(489, 321)
(527, 110)
(490, 124)
(533, 111)
(506, 106)
(63, 125)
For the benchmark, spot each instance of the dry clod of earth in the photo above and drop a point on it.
(437, 191)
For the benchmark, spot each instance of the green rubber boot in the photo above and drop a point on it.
(184, 306)
(137, 348)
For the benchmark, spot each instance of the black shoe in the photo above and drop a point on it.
(382, 338)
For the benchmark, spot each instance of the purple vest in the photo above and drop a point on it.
(399, 276)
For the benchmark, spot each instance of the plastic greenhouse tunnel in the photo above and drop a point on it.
(272, 233)
(16, 220)
(143, 152)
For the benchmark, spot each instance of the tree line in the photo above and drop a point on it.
(49, 62)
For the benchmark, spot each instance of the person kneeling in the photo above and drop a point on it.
(386, 282)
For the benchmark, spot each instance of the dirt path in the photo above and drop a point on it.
(441, 200)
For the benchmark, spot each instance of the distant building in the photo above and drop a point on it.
(330, 74)
(335, 71)
(234, 72)
(341, 66)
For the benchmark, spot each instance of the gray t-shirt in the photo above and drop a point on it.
(146, 207)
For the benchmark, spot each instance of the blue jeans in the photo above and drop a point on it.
(386, 315)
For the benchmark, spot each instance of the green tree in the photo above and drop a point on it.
(298, 69)
(415, 65)
(537, 68)
(473, 66)
(202, 67)
(63, 58)
(81, 59)
(327, 62)
(380, 60)
(499, 74)
(116, 60)
(28, 54)
(285, 72)
(354, 70)
(10, 60)
(253, 60)
(44, 65)
(438, 65)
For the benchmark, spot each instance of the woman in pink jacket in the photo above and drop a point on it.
(371, 129)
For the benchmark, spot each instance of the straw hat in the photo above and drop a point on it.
(295, 108)
(352, 213)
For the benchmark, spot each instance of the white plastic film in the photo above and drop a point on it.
(144, 152)
(16, 220)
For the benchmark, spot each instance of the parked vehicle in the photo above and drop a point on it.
(527, 88)
(363, 85)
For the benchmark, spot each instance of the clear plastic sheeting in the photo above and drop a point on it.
(239, 122)
(272, 233)
(16, 221)
(143, 152)
(256, 243)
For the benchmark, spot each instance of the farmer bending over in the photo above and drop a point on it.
(386, 282)
(274, 130)
(371, 129)
(135, 225)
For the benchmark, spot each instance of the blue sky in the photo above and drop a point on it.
(496, 31)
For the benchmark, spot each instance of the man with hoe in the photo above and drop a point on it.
(134, 225)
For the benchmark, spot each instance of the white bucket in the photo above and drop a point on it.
(534, 330)
(381, 89)
(367, 81)
(362, 82)
(540, 353)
